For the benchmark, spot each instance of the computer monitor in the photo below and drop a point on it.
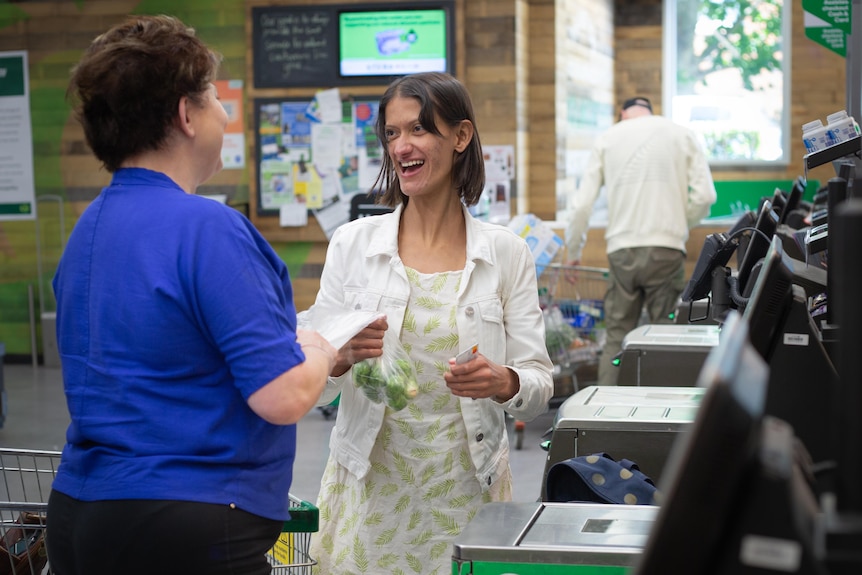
(794, 198)
(779, 201)
(708, 467)
(848, 313)
(780, 327)
(770, 298)
(716, 252)
(767, 223)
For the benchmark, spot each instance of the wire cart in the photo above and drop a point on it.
(289, 555)
(27, 476)
(26, 481)
(572, 301)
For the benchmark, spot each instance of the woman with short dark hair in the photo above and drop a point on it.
(183, 367)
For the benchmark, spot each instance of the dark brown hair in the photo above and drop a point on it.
(127, 87)
(440, 96)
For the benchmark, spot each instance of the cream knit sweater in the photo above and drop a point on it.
(658, 186)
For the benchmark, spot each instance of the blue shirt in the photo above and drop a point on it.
(171, 311)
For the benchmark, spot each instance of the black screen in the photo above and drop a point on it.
(770, 298)
(767, 222)
(708, 466)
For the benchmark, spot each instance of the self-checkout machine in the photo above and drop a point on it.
(673, 354)
(555, 538)
(667, 355)
(635, 423)
(552, 539)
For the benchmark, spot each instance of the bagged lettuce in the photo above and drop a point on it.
(390, 378)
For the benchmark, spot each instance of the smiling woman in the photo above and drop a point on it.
(447, 283)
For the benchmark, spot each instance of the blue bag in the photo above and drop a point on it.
(598, 478)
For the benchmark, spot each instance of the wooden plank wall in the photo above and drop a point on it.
(506, 52)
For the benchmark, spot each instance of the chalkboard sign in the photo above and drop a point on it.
(330, 45)
(294, 46)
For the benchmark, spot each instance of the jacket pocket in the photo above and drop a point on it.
(356, 299)
(492, 333)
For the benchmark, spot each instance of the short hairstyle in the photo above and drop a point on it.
(637, 101)
(440, 96)
(127, 86)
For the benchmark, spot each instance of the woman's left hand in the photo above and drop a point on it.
(481, 378)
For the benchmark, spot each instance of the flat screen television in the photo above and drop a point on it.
(710, 465)
(377, 42)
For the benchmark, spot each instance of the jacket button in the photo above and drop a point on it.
(480, 436)
(358, 306)
(469, 311)
(519, 403)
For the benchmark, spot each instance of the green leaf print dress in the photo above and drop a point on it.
(421, 491)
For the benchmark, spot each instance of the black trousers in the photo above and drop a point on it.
(149, 537)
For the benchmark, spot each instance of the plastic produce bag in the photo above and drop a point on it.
(390, 378)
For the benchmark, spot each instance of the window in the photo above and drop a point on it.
(727, 76)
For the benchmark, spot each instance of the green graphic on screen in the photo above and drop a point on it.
(392, 42)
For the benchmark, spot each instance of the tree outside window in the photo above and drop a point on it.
(727, 76)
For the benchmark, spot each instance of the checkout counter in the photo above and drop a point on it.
(667, 355)
(636, 423)
(552, 539)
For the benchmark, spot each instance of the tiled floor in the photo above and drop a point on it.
(36, 418)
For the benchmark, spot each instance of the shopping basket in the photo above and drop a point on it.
(290, 552)
(26, 481)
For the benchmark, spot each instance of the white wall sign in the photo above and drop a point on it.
(17, 189)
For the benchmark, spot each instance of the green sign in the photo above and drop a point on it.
(16, 209)
(735, 197)
(835, 13)
(833, 38)
(503, 568)
(12, 76)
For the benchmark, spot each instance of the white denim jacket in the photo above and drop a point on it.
(498, 307)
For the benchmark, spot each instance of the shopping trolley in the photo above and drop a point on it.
(290, 552)
(572, 301)
(26, 476)
(26, 481)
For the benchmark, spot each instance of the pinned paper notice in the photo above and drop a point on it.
(293, 215)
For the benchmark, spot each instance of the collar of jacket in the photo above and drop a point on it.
(385, 242)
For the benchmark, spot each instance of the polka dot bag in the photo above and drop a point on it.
(599, 478)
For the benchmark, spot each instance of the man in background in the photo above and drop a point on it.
(658, 186)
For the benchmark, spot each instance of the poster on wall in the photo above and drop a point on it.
(17, 188)
(495, 203)
(233, 147)
(315, 154)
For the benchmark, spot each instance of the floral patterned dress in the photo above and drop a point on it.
(421, 491)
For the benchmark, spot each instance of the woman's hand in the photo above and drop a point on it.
(366, 344)
(481, 377)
